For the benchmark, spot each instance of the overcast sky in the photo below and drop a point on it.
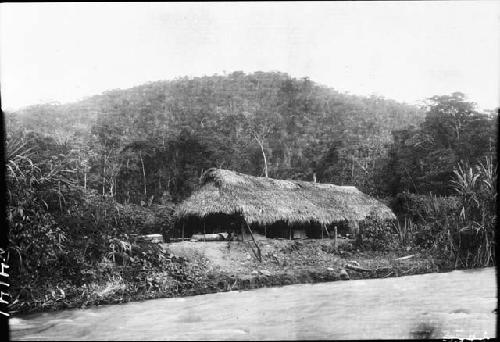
(407, 51)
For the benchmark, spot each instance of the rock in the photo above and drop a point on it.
(344, 275)
(255, 272)
(265, 272)
(249, 257)
(329, 269)
(155, 238)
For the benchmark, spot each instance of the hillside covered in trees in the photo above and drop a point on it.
(155, 140)
(114, 164)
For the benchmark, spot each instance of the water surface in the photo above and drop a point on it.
(458, 304)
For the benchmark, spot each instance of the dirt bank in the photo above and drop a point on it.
(313, 260)
(192, 268)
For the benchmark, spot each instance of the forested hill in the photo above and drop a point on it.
(183, 101)
(152, 142)
(84, 179)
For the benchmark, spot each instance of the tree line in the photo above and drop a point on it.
(82, 177)
(151, 143)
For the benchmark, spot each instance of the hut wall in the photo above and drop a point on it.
(343, 228)
(299, 233)
(211, 224)
(222, 223)
(313, 231)
(353, 227)
(278, 229)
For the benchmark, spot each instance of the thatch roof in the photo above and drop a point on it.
(266, 200)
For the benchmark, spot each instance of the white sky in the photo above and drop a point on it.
(407, 51)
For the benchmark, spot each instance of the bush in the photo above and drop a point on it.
(460, 229)
(426, 221)
(422, 208)
(477, 188)
(62, 234)
(377, 235)
(163, 219)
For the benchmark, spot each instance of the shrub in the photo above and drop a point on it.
(477, 189)
(377, 235)
(422, 208)
(163, 219)
(61, 233)
(458, 228)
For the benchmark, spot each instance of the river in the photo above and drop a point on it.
(459, 304)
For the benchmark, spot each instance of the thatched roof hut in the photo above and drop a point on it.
(265, 201)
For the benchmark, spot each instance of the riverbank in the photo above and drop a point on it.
(194, 268)
(306, 260)
(416, 307)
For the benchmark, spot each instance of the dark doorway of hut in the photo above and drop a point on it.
(220, 227)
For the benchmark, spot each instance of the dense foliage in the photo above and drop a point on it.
(154, 141)
(61, 233)
(422, 159)
(84, 177)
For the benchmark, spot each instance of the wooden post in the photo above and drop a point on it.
(290, 232)
(259, 254)
(321, 231)
(335, 243)
(354, 227)
(242, 233)
(357, 232)
(182, 231)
